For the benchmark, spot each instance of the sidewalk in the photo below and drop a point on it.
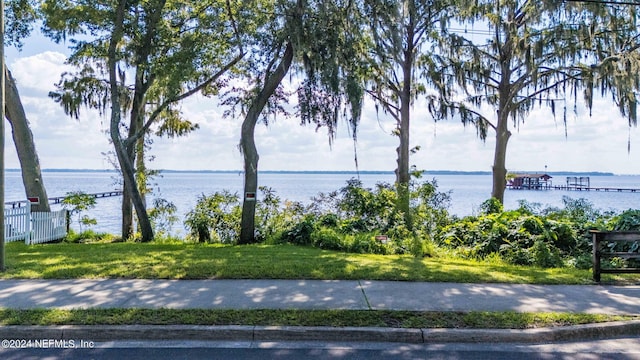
(316, 294)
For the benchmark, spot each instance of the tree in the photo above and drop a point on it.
(173, 48)
(25, 146)
(273, 78)
(18, 20)
(315, 35)
(523, 53)
(77, 202)
(615, 48)
(20, 17)
(400, 31)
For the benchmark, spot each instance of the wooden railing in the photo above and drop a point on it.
(59, 199)
(607, 245)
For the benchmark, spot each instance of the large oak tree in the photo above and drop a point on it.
(401, 32)
(315, 38)
(171, 49)
(20, 18)
(512, 55)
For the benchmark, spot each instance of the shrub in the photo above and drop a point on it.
(581, 261)
(163, 216)
(515, 255)
(365, 243)
(88, 236)
(268, 215)
(491, 206)
(77, 202)
(629, 220)
(273, 219)
(429, 208)
(579, 210)
(215, 218)
(544, 255)
(519, 236)
(326, 238)
(329, 220)
(354, 210)
(300, 232)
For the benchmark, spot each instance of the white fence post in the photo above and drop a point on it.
(16, 224)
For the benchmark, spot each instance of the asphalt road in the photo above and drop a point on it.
(619, 348)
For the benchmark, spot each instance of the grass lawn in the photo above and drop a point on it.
(214, 261)
(339, 318)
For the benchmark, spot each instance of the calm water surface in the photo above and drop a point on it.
(183, 189)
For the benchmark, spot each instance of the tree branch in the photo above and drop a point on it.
(140, 133)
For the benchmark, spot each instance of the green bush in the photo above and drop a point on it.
(88, 236)
(163, 216)
(300, 232)
(354, 210)
(216, 218)
(628, 220)
(581, 261)
(329, 220)
(545, 255)
(429, 208)
(365, 243)
(76, 202)
(491, 206)
(327, 238)
(519, 236)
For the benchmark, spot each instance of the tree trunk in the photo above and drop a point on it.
(248, 145)
(402, 172)
(129, 171)
(25, 147)
(141, 170)
(251, 157)
(134, 156)
(129, 186)
(500, 157)
(128, 174)
(124, 159)
(505, 89)
(127, 208)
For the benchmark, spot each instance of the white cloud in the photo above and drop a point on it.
(61, 142)
(39, 72)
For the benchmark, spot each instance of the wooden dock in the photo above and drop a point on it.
(573, 183)
(59, 199)
(603, 189)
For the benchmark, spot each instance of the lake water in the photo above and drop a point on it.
(183, 189)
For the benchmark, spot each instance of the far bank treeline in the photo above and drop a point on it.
(486, 63)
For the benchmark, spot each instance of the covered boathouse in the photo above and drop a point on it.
(530, 182)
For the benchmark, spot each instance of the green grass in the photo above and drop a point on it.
(214, 261)
(339, 318)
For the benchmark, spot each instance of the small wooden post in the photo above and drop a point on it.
(67, 220)
(597, 236)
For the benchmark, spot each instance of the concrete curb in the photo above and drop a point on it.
(344, 334)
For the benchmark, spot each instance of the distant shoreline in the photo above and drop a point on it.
(332, 172)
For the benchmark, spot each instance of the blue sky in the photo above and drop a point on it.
(594, 143)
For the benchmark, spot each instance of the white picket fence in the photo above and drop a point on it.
(20, 224)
